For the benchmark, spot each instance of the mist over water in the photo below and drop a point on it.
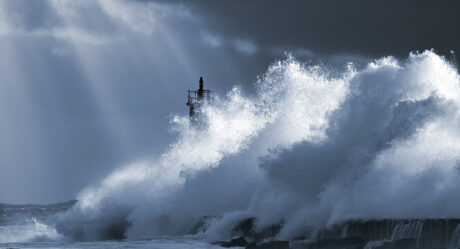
(312, 147)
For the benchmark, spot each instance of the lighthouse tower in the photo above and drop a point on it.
(196, 99)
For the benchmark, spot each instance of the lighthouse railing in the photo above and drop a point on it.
(193, 96)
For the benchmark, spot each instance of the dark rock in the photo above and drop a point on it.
(104, 229)
(244, 228)
(234, 242)
(276, 244)
(203, 224)
(345, 243)
(267, 232)
(303, 237)
(247, 229)
(408, 243)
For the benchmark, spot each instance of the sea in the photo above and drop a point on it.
(32, 226)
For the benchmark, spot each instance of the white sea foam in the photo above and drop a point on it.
(33, 230)
(311, 147)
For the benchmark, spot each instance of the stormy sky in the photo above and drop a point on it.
(87, 86)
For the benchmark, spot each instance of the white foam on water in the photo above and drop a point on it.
(32, 231)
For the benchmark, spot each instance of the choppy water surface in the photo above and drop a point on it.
(158, 243)
(32, 226)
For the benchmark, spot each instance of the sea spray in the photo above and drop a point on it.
(233, 122)
(393, 148)
(32, 230)
(322, 147)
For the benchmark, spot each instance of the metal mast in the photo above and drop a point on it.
(196, 99)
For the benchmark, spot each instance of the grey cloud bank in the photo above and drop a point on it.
(369, 28)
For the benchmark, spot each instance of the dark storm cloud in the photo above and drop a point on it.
(370, 28)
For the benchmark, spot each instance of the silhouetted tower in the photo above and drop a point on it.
(196, 99)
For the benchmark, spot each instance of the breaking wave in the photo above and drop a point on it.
(33, 230)
(312, 147)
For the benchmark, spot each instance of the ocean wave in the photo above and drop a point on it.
(313, 147)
